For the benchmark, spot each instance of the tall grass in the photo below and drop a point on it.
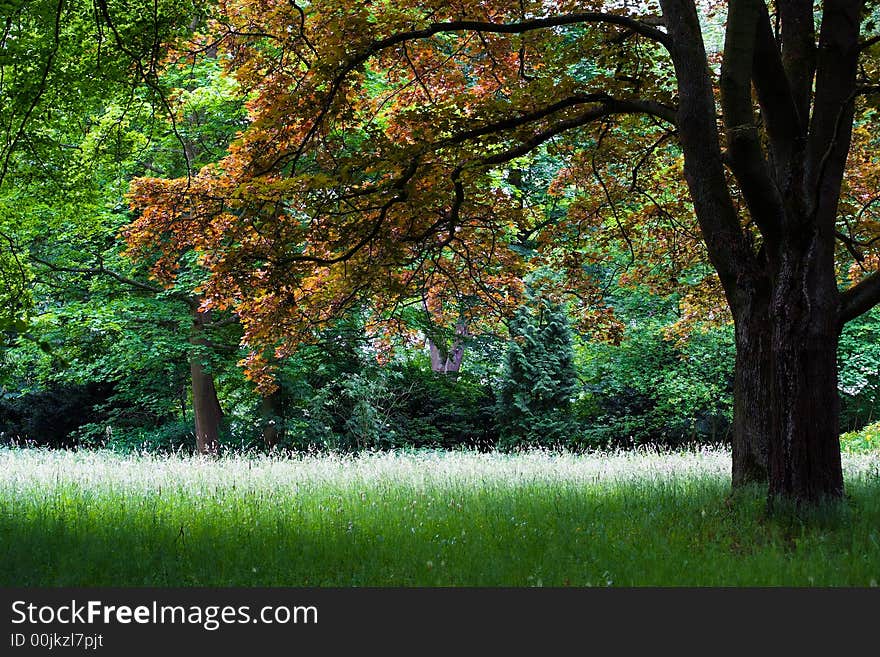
(420, 519)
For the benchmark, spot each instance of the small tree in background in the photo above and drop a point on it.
(538, 380)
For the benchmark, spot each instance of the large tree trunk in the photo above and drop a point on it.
(206, 406)
(786, 403)
(752, 410)
(804, 448)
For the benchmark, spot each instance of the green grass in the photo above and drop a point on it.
(420, 519)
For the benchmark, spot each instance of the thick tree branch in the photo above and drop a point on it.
(610, 108)
(860, 298)
(867, 43)
(833, 110)
(726, 244)
(798, 37)
(100, 270)
(632, 106)
(743, 140)
(638, 26)
(785, 127)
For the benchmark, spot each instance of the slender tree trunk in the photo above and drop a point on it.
(448, 361)
(804, 448)
(206, 406)
(270, 409)
(752, 410)
(206, 409)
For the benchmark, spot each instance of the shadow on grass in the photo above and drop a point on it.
(676, 532)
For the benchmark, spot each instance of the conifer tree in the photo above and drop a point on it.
(538, 380)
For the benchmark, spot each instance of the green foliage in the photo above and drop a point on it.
(95, 125)
(51, 417)
(443, 410)
(171, 437)
(136, 345)
(539, 379)
(343, 400)
(15, 294)
(859, 371)
(649, 389)
(79, 120)
(352, 412)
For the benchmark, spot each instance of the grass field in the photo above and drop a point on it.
(420, 519)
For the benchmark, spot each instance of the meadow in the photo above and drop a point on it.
(421, 518)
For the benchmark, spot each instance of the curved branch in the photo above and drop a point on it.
(852, 245)
(400, 195)
(638, 26)
(860, 298)
(610, 108)
(613, 105)
(607, 107)
(100, 270)
(728, 248)
(522, 27)
(867, 43)
(150, 77)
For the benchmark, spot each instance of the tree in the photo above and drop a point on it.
(83, 107)
(539, 379)
(373, 165)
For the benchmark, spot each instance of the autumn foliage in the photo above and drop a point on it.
(375, 167)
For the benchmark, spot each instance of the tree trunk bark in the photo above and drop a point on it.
(449, 361)
(270, 409)
(206, 406)
(804, 447)
(446, 363)
(752, 410)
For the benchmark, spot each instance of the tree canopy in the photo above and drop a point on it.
(380, 155)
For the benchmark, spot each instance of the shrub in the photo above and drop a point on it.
(651, 390)
(442, 410)
(859, 371)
